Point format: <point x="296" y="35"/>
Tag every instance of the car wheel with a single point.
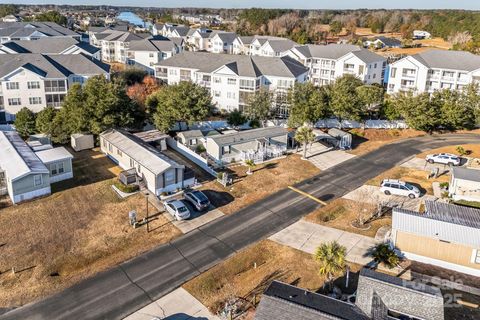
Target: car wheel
<point x="387" y="192"/>
<point x="411" y="196"/>
<point x="431" y="161"/>
<point x="450" y="164"/>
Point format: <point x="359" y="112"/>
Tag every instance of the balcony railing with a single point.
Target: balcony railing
<point x="55" y="89"/>
<point x="408" y="75"/>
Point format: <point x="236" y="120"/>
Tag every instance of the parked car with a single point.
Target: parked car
<point x="444" y="158"/>
<point x="198" y="199"/>
<point x="177" y="209"/>
<point x="400" y="188"/>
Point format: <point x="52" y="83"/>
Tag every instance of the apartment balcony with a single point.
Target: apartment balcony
<point x="409" y="75"/>
<point x="203" y="83"/>
<point x="54" y="104"/>
<point x="55" y="89"/>
<point x="433" y="77"/>
<point x="449" y="79"/>
<point x="349" y="71"/>
<point x="407" y="87"/>
<point x="184" y="78"/>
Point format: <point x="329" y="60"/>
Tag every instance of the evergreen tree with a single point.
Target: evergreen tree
<point x="344" y="101"/>
<point x="25" y="122"/>
<point x="307" y="104"/>
<point x="44" y="120"/>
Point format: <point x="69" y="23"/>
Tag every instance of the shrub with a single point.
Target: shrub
<point x="125" y="188"/>
<point x="383" y="253"/>
<point x="444" y="185"/>
<point x="461" y="151"/>
<point x="220" y="175"/>
<point x="200" y="148"/>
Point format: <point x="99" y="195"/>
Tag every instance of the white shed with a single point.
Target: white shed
<point x="344" y="138"/>
<point x="80" y="141"/>
<point x="465" y="184"/>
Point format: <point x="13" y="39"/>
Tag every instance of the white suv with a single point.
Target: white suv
<point x="443" y="158"/>
<point x="400" y="188"/>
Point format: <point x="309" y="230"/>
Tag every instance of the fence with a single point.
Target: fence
<point x="191" y="155"/>
<point x="347" y="124"/>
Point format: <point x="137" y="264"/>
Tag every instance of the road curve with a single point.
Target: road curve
<point x="127" y="287"/>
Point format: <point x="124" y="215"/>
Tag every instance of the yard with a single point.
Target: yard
<point x="267" y="178"/>
<point x="340" y="213"/>
<point x="366" y="140"/>
<point x="472" y="149"/>
<point x="81" y="229"/>
<point x="238" y="277"/>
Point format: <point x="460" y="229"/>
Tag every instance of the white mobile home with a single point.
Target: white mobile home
<point x="159" y="173"/>
<point x="465" y="184"/>
<point x="26" y="176"/>
<point x="59" y="163"/>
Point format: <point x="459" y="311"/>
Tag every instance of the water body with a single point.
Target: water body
<point x="133" y="19"/>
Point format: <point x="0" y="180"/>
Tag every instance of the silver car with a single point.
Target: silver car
<point x="198" y="199"/>
<point x="444" y="158"/>
<point x="400" y="188"/>
<point x="177" y="209"/>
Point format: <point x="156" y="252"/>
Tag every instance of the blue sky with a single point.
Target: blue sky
<point x="304" y="4"/>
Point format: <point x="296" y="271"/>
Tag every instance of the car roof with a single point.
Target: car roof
<point x="177" y="203"/>
<point x="393" y="181"/>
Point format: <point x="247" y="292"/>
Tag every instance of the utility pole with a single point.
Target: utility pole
<point x="146" y="197"/>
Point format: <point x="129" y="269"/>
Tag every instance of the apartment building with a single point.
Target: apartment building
<point x="445" y="235"/>
<point x="434" y="70"/>
<point x="233" y="78"/>
<point x="10" y="31"/>
<point x="328" y="62"/>
<point x="114" y="44"/>
<point x="64" y="45"/>
<point x="148" y="52"/>
<point x="262" y="46"/>
<point x="199" y="40"/>
<point x="221" y="42"/>
<point x="36" y="80"/>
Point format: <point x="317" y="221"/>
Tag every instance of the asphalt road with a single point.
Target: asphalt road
<point x="120" y="291"/>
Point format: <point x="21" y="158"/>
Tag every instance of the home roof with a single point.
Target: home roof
<point x="455" y="214"/>
<point x="17" y="158"/>
<point x="248" y="135"/>
<point x="282" y="45"/>
<point x="367" y="56"/>
<point x="52" y="155"/>
<point x="449" y="59"/>
<point x="282" y="301"/>
<point x="51" y="29"/>
<point x="389" y="42"/>
<point x="191" y="134"/>
<point x="143" y="153"/>
<point x="52" y="66"/>
<point x="48" y="45"/>
<point x="248" y="66"/>
<point x="157" y="44"/>
<point x="224" y="36"/>
<point x="466" y="174"/>
<point x="330" y="51"/>
<point x="181" y="30"/>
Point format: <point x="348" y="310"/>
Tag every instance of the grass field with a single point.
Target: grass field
<point x="366" y="140"/>
<point x="81" y="229"/>
<point x="266" y="179"/>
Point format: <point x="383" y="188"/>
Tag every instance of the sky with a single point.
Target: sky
<point x="303" y="4"/>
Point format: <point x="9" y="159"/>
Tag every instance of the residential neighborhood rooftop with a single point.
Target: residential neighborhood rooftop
<point x="449" y="59"/>
<point x="248" y="135"/>
<point x="466" y="174"/>
<point x="19" y="29"/>
<point x="47" y="45"/>
<point x="55" y="154"/>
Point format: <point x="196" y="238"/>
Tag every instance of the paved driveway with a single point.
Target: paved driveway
<point x="307" y="236"/>
<point x="177" y="305"/>
<point x="324" y="157"/>
<point x="131" y="285"/>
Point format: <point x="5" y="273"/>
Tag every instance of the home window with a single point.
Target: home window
<point x="217" y="80"/>
<point x="14" y="102"/>
<point x="33" y="85"/>
<point x="35" y="100"/>
<point x="110" y="147"/>
<point x="53" y="170"/>
<point x="119" y="152"/>
<point x="393" y="72"/>
<point x="231" y="81"/>
<point x="12" y="86"/>
<point x="151" y="54"/>
<point x="60" y="167"/>
<point x="226" y="149"/>
<point x="37" y="180"/>
<point x="132" y="163"/>
<point x="169" y="177"/>
<point x="477" y="256"/>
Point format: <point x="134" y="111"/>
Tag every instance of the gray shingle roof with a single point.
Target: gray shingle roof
<point x="466" y="174"/>
<point x="443" y="59"/>
<point x="368" y="56"/>
<point x="331" y="51"/>
<point x="227" y="37"/>
<point x="122" y="36"/>
<point x="248" y="135"/>
<point x="282" y="301"/>
<point x="249" y="66"/>
<point x="52" y="66"/>
<point x="282" y="45"/>
<point x="16" y="29"/>
<point x="390" y="42"/>
<point x="48" y="45"/>
<point x="152" y="44"/>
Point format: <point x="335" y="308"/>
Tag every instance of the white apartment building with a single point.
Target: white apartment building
<point x="199" y="40"/>
<point x="65" y="45"/>
<point x="115" y="43"/>
<point x="231" y="79"/>
<point x="434" y="70"/>
<point x="265" y="46"/>
<point x="221" y="42"/>
<point x="148" y="52"/>
<point x="36" y="81"/>
<point x="10" y="31"/>
<point x="328" y="62"/>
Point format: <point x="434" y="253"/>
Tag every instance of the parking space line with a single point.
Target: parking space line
<point x="307" y="195"/>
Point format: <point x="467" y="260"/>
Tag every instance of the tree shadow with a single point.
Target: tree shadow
<point x="182" y="316"/>
<point x="218" y="198"/>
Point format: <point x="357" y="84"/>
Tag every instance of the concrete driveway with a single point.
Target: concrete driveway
<point x="197" y="219"/>
<point x="421" y="164"/>
<point x="177" y="305"/>
<point x="307" y="236"/>
<point x="323" y="157"/>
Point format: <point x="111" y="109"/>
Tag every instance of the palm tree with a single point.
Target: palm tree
<point x="383" y="253"/>
<point x="331" y="257"/>
<point x="305" y="136"/>
<point x="250" y="164"/>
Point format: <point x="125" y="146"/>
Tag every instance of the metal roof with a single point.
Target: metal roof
<point x="55" y="154"/>
<point x="248" y="135"/>
<point x="146" y="155"/>
<point x="17" y="158"/>
<point x="442" y="221"/>
<point x="466" y="174"/>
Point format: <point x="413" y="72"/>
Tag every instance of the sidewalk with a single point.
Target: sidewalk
<point x="177" y="305"/>
<point x="307" y="236"/>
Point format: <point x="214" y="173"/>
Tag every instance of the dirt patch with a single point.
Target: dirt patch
<point x="56" y="241"/>
<point x="366" y="140"/>
<point x="238" y="277"/>
<point x="266" y="179"/>
<point x="340" y="213"/>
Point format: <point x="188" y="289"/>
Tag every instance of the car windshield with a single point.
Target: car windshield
<point x="200" y="196"/>
<point x="409" y="186"/>
<point x="182" y="209"/>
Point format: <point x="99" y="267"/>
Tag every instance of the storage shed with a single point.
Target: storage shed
<point x="344" y="138"/>
<point x="80" y="141"/>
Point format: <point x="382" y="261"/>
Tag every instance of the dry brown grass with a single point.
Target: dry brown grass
<point x="413" y="176"/>
<point x="267" y="178"/>
<point x="366" y="140"/>
<point x="76" y="232"/>
<point x="437" y="42"/>
<point x="237" y="277"/>
<point x="340" y="213"/>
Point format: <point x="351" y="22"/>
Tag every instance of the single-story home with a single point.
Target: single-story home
<point x="445" y="235"/>
<point x="421" y="34"/>
<point x="26" y="176"/>
<point x="256" y="144"/>
<point x="158" y="172"/>
<point x="383" y="42"/>
<point x="190" y="138"/>
<point x="59" y="163"/>
<point x="464" y="184"/>
<point x="378" y="296"/>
